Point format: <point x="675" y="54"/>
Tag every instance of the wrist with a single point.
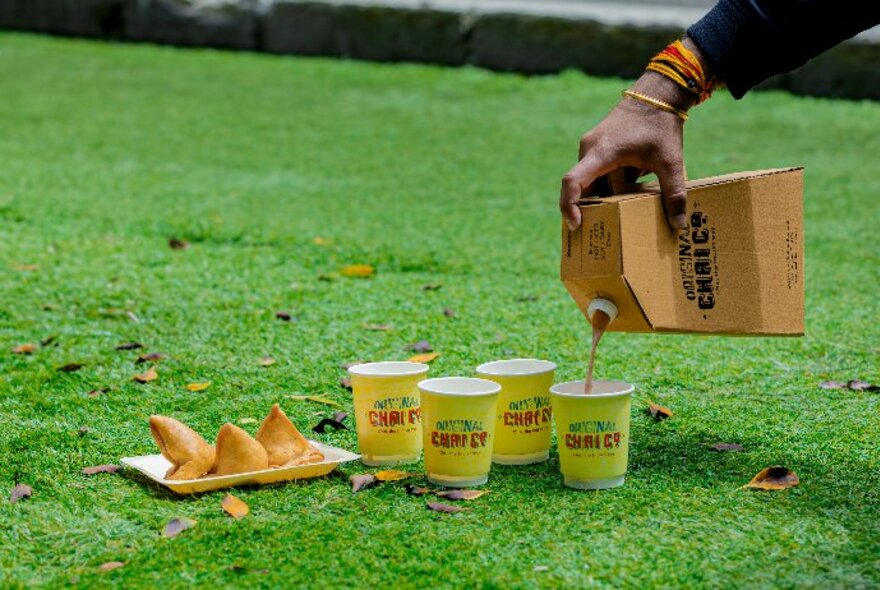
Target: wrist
<point x="659" y="86"/>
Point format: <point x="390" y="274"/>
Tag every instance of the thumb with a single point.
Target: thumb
<point x="673" y="192"/>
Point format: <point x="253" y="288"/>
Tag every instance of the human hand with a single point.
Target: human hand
<point x="633" y="135"/>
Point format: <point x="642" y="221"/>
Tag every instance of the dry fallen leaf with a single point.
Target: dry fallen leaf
<point x="774" y="478"/>
<point x="267" y="361"/>
<point x="859" y="385"/>
<point x="659" y="412"/>
<point x="48" y="340"/>
<point x="284" y="316"/>
<point x="199" y="386"/>
<point x="176" y="526"/>
<point x="234" y="507"/>
<point x="357" y="270"/>
<point x="361" y="481"/>
<point x="432" y="287"/>
<point x="177" y="244"/>
<point x="100" y="469"/>
<point x="832" y="385"/>
<point x="149" y="358"/>
<point x="98" y="392"/>
<point x="147" y="376"/>
<point x="392" y="475"/>
<point x="111" y="565"/>
<point x="24" y="348"/>
<point x="424" y="358"/>
<point x="70" y="367"/>
<point x="414" y="490"/>
<point x="420" y="346"/>
<point x="449" y="313"/>
<point x="129" y="346"/>
<point x="345" y="383"/>
<point x="440" y="507"/>
<point x="726" y="447"/>
<point x="20" y="492"/>
<point x="319" y="399"/>
<point x="334" y="423"/>
<point x="377" y="327"/>
<point x="462" y="494"/>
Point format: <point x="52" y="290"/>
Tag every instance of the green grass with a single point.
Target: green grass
<point x="434" y="176"/>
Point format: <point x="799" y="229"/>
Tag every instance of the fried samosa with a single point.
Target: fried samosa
<point x="238" y="452"/>
<point x="190" y="456"/>
<point x="283" y="442"/>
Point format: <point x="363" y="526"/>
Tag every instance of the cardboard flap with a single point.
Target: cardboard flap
<point x="647" y="189"/>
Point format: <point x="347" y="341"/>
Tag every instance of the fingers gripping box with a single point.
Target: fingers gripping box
<point x="738" y="268"/>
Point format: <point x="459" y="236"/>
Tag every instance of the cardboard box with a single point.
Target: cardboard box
<point x="738" y="268"/>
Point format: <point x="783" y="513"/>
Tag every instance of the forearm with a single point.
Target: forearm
<point x="747" y="41"/>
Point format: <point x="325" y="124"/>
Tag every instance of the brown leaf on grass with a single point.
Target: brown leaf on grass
<point x="345" y="383"/>
<point x="358" y="271"/>
<point x="201" y="386"/>
<point x="234" y="507"/>
<point x="420" y="346"/>
<point x="859" y="385"/>
<point x="19" y="492"/>
<point x="83" y="430"/>
<point x="726" y="447"/>
<point x="321" y="427"/>
<point x="283" y="316"/>
<point x="48" y="307"/>
<point x="24" y="349"/>
<point x="377" y="327"/>
<point x="340" y="417"/>
<point x="98" y="392"/>
<point x="462" y="494"/>
<point x="526" y="298"/>
<point x="26" y="267"/>
<point x="100" y="469"/>
<point x="832" y="385"/>
<point x="110" y="566"/>
<point x="424" y="358"/>
<point x="774" y="478"/>
<point x="432" y="287"/>
<point x="267" y="361"/>
<point x="414" y="490"/>
<point x="147" y="376"/>
<point x="441" y="507"/>
<point x="149" y="358"/>
<point x="177" y="243"/>
<point x="70" y="367"/>
<point x="659" y="412"/>
<point x="129" y="346"/>
<point x="176" y="526"/>
<point x="361" y="481"/>
<point x="449" y="313"/>
<point x="392" y="475"/>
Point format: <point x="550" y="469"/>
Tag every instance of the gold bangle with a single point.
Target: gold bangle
<point x="656" y="103"/>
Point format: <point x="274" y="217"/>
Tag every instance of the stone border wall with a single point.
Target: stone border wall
<point x="523" y="43"/>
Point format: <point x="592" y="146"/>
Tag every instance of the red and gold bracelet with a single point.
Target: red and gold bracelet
<point x="679" y="64"/>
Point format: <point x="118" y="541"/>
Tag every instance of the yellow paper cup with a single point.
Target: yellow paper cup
<point x="387" y="411"/>
<point x="522" y="420"/>
<point x="592" y="433"/>
<point x="459" y="415"/>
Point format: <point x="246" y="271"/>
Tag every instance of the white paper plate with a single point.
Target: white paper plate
<point x="156" y="466"/>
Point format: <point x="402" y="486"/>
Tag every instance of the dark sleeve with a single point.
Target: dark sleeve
<point x="747" y="41"/>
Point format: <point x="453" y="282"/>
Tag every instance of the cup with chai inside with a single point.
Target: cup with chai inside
<point x="522" y="420"/>
<point x="387" y="410"/>
<point x="592" y="433"/>
<point x="459" y="429"/>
